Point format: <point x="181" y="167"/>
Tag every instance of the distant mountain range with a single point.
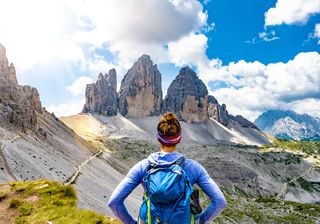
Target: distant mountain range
<point x="286" y="124"/>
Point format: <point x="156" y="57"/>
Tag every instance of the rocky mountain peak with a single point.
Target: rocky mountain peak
<point x="7" y="72"/>
<point x="287" y="124"/>
<point x="19" y="104"/>
<point x="187" y="71"/>
<point x="140" y="91"/>
<point x="101" y="97"/>
<point x="144" y="59"/>
<point x="187" y="97"/>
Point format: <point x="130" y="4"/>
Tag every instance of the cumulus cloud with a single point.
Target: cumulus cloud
<point x="78" y="87"/>
<point x="291" y="12"/>
<point x="143" y="26"/>
<point x="38" y="34"/>
<point x="189" y="50"/>
<point x="309" y="106"/>
<point x="141" y="20"/>
<point x="66" y="109"/>
<point x="317" y="32"/>
<point x="252" y="87"/>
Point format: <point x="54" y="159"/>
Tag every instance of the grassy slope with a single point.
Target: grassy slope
<point x="242" y="209"/>
<point x="42" y="201"/>
<point x="307" y="147"/>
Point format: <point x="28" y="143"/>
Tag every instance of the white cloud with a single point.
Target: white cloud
<point x="268" y="36"/>
<point x="252" y="87"/>
<point x="291" y="12"/>
<point x="189" y="50"/>
<point x="66" y="109"/>
<point x="36" y="32"/>
<point x="309" y="106"/>
<point x="141" y="20"/>
<point x="78" y="87"/>
<point x="143" y="26"/>
<point x="317" y="32"/>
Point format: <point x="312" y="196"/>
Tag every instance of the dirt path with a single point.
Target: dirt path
<point x="285" y="186"/>
<point x="74" y="177"/>
<point x="7" y="215"/>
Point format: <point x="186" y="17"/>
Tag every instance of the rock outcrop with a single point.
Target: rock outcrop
<point x="140" y="95"/>
<point x="187" y="97"/>
<point x="101" y="97"/>
<point x="19" y="105"/>
<point x="140" y="92"/>
<point x="7" y="72"/>
<point x="217" y="112"/>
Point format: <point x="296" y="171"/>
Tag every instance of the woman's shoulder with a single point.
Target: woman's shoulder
<point x="192" y="162"/>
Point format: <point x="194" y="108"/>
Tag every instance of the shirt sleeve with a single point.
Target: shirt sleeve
<point x="126" y="186"/>
<point x="211" y="189"/>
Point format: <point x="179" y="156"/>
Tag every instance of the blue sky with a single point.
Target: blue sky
<point x="252" y="55"/>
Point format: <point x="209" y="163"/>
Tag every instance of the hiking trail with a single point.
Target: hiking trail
<point x="76" y="174"/>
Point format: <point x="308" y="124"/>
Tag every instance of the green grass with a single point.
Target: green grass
<point x="308" y="147"/>
<point x="266" y="210"/>
<point x="43" y="200"/>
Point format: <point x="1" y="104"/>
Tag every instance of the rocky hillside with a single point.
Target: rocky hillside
<point x="289" y="125"/>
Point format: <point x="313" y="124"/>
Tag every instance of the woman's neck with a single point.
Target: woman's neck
<point x="168" y="149"/>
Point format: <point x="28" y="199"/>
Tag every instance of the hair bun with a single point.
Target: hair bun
<point x="170" y="118"/>
<point x="169" y="124"/>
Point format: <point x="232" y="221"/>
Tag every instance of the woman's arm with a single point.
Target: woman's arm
<point x="211" y="189"/>
<point x="126" y="186"/>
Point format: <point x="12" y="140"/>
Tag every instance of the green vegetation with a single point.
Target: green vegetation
<point x="42" y="201"/>
<point x="306" y="185"/>
<point x="267" y="210"/>
<point x="308" y="147"/>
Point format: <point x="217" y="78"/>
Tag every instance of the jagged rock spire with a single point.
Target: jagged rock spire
<point x="101" y="97"/>
<point x="187" y="97"/>
<point x="140" y="92"/>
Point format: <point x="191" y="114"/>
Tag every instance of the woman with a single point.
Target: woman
<point x="169" y="135"/>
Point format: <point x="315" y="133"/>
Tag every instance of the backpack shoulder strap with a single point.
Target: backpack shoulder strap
<point x="181" y="161"/>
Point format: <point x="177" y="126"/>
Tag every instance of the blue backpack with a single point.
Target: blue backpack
<point x="167" y="196"/>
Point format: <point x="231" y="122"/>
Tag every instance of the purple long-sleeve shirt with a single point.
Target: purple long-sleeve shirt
<point x="195" y="172"/>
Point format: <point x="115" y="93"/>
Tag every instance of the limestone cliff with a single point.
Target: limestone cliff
<point x="19" y="105"/>
<point x="140" y="92"/>
<point x="101" y="97"/>
<point x="187" y="97"/>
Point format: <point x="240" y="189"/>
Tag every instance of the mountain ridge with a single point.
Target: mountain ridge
<point x="286" y="124"/>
